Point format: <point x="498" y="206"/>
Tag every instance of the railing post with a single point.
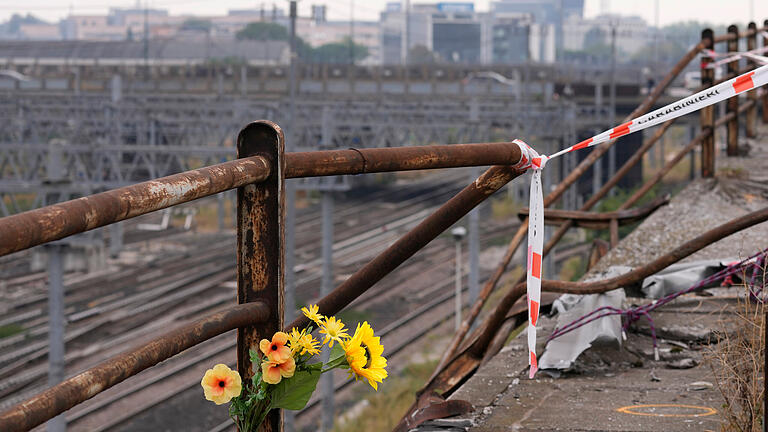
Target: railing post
<point x="765" y="94"/>
<point x="707" y="116"/>
<point x="732" y="104"/>
<point x="751" y="117"/>
<point x="260" y="245"/>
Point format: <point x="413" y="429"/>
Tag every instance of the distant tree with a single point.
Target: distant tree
<point x="669" y="51"/>
<point x="595" y="37"/>
<point x="267" y="31"/>
<point x="263" y="31"/>
<point x="596" y="47"/>
<point x="14" y="24"/>
<point x="419" y="54"/>
<point x="338" y="52"/>
<point x="198" y="25"/>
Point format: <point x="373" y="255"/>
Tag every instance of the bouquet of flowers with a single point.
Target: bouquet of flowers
<point x="289" y="372"/>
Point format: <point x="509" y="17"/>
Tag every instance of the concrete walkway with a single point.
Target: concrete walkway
<point x="612" y="388"/>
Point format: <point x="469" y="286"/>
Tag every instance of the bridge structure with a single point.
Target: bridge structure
<point x="259" y="174"/>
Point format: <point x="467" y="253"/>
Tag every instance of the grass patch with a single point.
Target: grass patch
<point x="353" y="316"/>
<point x="573" y="269"/>
<point x="385" y="407"/>
<point x="504" y="207"/>
<point x="10" y="330"/>
<point x="612" y="203"/>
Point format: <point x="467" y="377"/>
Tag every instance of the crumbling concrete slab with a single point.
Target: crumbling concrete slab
<point x="625" y="389"/>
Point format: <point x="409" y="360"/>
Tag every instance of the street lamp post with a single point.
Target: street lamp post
<point x="458" y="235"/>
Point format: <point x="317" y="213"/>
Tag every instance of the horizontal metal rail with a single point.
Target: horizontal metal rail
<point x="597" y="220"/>
<point x="81" y="387"/>
<point x="35" y="227"/>
<point x="361" y="161"/>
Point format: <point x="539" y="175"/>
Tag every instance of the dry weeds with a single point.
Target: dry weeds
<point x="737" y="362"/>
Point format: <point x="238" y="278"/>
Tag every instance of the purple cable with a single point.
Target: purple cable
<point x="633" y="314"/>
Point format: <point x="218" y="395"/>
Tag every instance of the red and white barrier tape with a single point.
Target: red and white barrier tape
<point x="531" y="159"/>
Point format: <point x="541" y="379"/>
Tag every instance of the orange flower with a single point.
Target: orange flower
<point x="276" y="350"/>
<point x="221" y="384"/>
<point x="272" y="372"/>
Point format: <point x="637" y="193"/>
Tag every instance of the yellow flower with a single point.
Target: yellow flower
<point x="333" y="330"/>
<point x="272" y="372"/>
<point x="364" y="357"/>
<point x="221" y="384"/>
<point x="302" y="342"/>
<point x="312" y="313"/>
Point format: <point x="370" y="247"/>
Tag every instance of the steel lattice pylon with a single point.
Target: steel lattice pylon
<point x="55" y="147"/>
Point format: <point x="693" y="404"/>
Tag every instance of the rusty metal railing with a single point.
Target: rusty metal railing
<point x="259" y="174"/>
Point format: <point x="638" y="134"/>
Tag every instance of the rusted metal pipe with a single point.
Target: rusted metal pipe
<point x="361" y="161"/>
<point x="260" y="246"/>
<point x="448" y="214"/>
<point x="35" y="227"/>
<point x="750" y="119"/>
<point x="707" y="113"/>
<point x="765" y="97"/>
<point x="54" y="222"/>
<point x="732" y="104"/>
<point x="57" y="399"/>
<point x="595" y="220"/>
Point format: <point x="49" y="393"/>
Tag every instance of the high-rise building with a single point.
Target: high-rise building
<point x="548" y="17"/>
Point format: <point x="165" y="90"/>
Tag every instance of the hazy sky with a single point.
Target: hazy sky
<point x="716" y="11"/>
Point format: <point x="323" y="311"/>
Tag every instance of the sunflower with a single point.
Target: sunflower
<point x="221" y="384"/>
<point x="333" y="329"/>
<point x="312" y="313"/>
<point x="364" y="357"/>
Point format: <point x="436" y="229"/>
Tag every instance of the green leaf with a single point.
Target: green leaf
<point x="254" y="355"/>
<point x="337" y="358"/>
<point x="294" y="393"/>
<point x="256" y="379"/>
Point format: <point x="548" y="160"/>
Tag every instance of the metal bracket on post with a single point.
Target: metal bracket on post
<point x="707" y="115"/>
<point x="260" y="245"/>
<point x="732" y="104"/>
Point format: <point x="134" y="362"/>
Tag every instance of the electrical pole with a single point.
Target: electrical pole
<point x="407" y="31"/>
<point x="612" y="96"/>
<point x="612" y="150"/>
<point x="146" y="37"/>
<point x="290" y="195"/>
<point x="57" y="321"/>
<point x="655" y="40"/>
<point x="351" y="32"/>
